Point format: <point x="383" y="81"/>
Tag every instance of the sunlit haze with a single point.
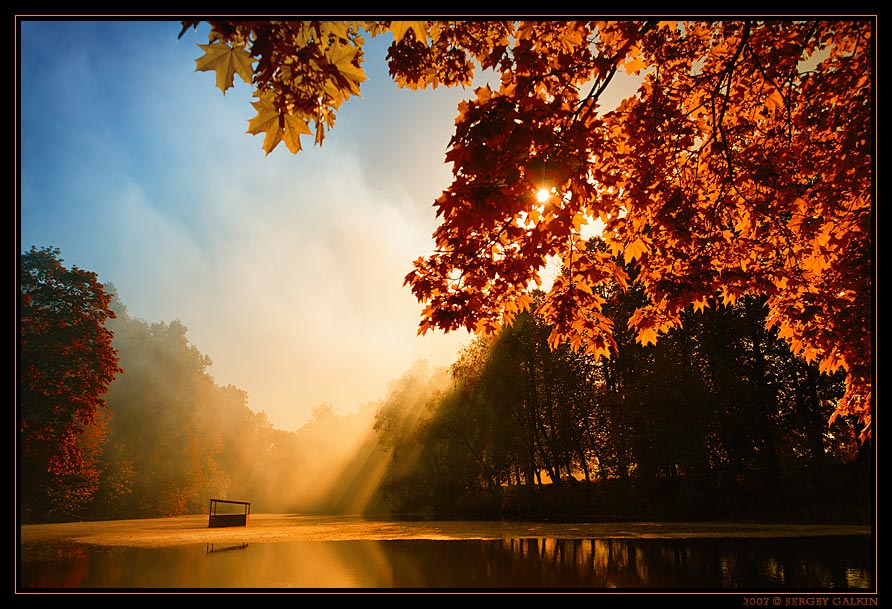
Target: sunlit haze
<point x="671" y="388"/>
<point x="287" y="270"/>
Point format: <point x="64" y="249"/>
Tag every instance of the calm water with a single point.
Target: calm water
<point x="839" y="563"/>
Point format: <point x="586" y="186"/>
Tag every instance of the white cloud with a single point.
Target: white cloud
<point x="304" y="302"/>
<point x="287" y="269"/>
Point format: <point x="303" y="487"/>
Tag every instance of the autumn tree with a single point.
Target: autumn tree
<point x="744" y="164"/>
<point x="66" y="364"/>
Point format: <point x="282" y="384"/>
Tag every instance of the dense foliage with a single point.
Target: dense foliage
<point x="743" y="165"/>
<point x="66" y="364"/>
<point x="516" y="428"/>
<point x="718" y="420"/>
<point x="724" y="315"/>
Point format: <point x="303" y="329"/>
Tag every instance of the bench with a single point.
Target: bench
<point x="228" y="519"/>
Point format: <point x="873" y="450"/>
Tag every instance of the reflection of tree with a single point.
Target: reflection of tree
<point x="606" y="564"/>
<point x="529" y="562"/>
<point x="67" y="569"/>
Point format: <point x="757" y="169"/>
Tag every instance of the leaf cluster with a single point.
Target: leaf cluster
<point x="742" y="164"/>
<point x="301" y="72"/>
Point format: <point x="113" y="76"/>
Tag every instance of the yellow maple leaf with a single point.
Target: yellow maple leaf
<point x="341" y="56"/>
<point x="267" y="121"/>
<point x="633" y="62"/>
<point x="830" y="363"/>
<point x="486" y="327"/>
<point x="423" y="327"/>
<point x="338" y="29"/>
<point x="823" y="237"/>
<point x="294" y="128"/>
<point x="598" y="348"/>
<point x="785" y="331"/>
<point x="635" y="249"/>
<point x="616" y="247"/>
<point x="647" y="335"/>
<point x="774" y="100"/>
<point x="400" y="28"/>
<point x="815" y="264"/>
<point x="523" y="302"/>
<point x="582" y="285"/>
<point x="728" y="296"/>
<point x="483" y="93"/>
<point x="335" y="95"/>
<point x="226" y="61"/>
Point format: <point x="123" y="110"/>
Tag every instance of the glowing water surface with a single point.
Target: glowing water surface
<point x="294" y="552"/>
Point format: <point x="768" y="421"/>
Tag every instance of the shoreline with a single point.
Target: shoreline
<point x="275" y="528"/>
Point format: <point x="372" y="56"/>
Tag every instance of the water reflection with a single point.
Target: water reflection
<point x="824" y="563"/>
<point x="216" y="547"/>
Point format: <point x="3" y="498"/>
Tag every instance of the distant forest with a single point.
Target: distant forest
<point x="717" y="421"/>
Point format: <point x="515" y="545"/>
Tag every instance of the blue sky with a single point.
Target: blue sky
<point x="287" y="269"/>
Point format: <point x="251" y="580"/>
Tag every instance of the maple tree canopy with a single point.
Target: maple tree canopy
<point x="744" y="164"/>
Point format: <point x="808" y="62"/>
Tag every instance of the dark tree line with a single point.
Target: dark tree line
<point x="719" y="411"/>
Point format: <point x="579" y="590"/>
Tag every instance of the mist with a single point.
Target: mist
<point x="176" y="438"/>
<point x="507" y="416"/>
<point x="142" y="172"/>
<point x="331" y="465"/>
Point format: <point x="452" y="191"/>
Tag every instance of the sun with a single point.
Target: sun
<point x="542" y="195"/>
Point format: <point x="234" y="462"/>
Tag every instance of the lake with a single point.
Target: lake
<point x="337" y="553"/>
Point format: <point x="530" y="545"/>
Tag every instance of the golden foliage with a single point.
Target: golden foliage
<point x="226" y="61"/>
<point x="743" y="164"/>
